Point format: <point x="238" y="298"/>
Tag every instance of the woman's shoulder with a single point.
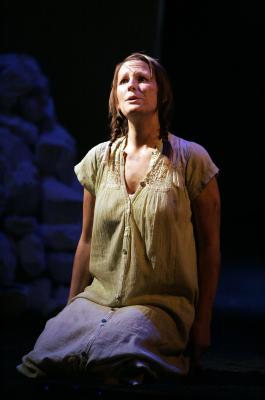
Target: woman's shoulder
<point x="99" y="148"/>
<point x="97" y="151"/>
<point x="186" y="148"/>
<point x="93" y="157"/>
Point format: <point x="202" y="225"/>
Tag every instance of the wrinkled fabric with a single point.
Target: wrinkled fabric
<point x="141" y="304"/>
<point x="90" y="338"/>
<point x="143" y="247"/>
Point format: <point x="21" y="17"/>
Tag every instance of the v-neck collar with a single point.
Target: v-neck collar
<point x="156" y="153"/>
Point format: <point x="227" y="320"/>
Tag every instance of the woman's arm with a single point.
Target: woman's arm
<point x="206" y="211"/>
<point x="81" y="276"/>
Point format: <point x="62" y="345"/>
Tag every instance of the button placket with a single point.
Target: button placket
<point x="127" y="232"/>
<point x="125" y="250"/>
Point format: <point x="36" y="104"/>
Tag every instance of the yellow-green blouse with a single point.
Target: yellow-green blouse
<point x="143" y="247"/>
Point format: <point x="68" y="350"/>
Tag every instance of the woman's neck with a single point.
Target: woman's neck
<point x="143" y="135"/>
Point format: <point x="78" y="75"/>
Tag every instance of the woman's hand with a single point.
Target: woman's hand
<point x="200" y="341"/>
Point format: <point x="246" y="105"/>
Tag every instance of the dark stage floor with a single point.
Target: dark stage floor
<point x="234" y="367"/>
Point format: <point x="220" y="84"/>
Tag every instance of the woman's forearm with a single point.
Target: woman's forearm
<point x="208" y="277"/>
<point x="81" y="276"/>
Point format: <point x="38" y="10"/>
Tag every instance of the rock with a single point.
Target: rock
<point x="3" y="168"/>
<point x="13" y="151"/>
<point x="20" y="226"/>
<point x="20" y="77"/>
<point x="31" y="255"/>
<point x="27" y="131"/>
<point x="40" y="198"/>
<point x="60" y="294"/>
<point x="57" y="302"/>
<point x="56" y="153"/>
<point x="61" y="204"/>
<point x="24" y="190"/>
<point x="62" y="237"/>
<point x="60" y="267"/>
<point x="8" y="260"/>
<point x="39" y="295"/>
<point x="3" y="199"/>
<point x="13" y="300"/>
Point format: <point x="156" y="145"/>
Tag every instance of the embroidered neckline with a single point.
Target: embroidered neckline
<point x="157" y="175"/>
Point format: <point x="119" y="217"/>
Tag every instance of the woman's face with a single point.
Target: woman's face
<point x="136" y="89"/>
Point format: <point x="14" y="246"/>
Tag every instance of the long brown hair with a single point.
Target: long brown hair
<point x="119" y="124"/>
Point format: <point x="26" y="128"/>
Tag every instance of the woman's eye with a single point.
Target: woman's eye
<point x="142" y="79"/>
<point x="124" y="80"/>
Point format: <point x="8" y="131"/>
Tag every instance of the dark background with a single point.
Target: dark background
<point x="214" y="53"/>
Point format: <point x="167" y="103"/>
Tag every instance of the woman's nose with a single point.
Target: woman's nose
<point x="131" y="84"/>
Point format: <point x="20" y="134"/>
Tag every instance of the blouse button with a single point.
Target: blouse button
<point x="124" y="251"/>
<point x="142" y="184"/>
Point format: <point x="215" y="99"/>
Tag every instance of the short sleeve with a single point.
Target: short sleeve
<point x="87" y="169"/>
<point x="200" y="169"/>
